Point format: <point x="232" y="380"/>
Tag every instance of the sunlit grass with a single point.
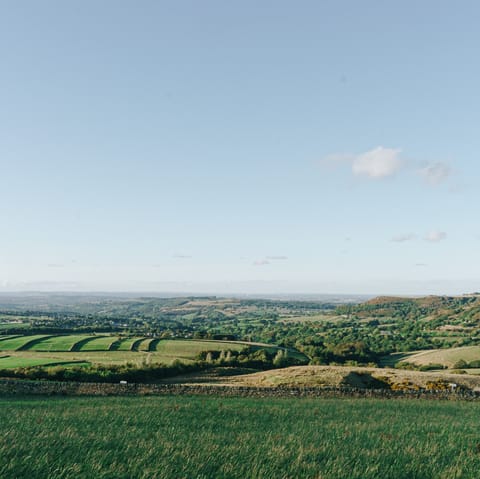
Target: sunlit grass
<point x="202" y="437"/>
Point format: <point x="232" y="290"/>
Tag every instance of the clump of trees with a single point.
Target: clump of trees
<point x="462" y="364"/>
<point x="250" y="358"/>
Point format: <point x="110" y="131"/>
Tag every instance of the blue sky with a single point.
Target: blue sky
<point x="316" y="147"/>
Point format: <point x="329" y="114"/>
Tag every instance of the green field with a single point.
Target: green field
<point x="188" y="349"/>
<point x="8" y="362"/>
<point x="57" y="343"/>
<point x="18" y="342"/>
<point x="8" y="336"/>
<point x="43" y="349"/>
<point x="144" y="344"/>
<point x="101" y="343"/>
<point x="126" y="344"/>
<point x="206" y="438"/>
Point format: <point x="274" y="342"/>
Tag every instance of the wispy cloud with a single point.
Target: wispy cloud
<point x="404" y="237"/>
<point x="261" y="262"/>
<point x="277" y="257"/>
<point x="421" y="265"/>
<point x="435" y="236"/>
<point x="56" y="265"/>
<point x="435" y="173"/>
<point x="182" y="256"/>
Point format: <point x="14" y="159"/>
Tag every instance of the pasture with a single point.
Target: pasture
<point x="100" y="343"/>
<point x="57" y="343"/>
<point x="8" y="362"/>
<point x="126" y="344"/>
<point x="205" y="437"/>
<point x="446" y="357"/>
<point x="108" y="350"/>
<point x="187" y="349"/>
<point x="21" y="342"/>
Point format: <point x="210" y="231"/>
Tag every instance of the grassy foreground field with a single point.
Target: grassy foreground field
<point x="205" y="438"/>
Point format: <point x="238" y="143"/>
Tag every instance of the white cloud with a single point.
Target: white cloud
<point x="381" y="162"/>
<point x="277" y="257"/>
<point x="182" y="256"/>
<point x="435" y="236"/>
<point x="377" y="163"/>
<point x="403" y="238"/>
<point x="435" y="173"/>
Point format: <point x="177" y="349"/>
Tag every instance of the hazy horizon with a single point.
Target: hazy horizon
<point x="249" y="288"/>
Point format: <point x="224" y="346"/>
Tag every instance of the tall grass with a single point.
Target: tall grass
<point x="202" y="437"/>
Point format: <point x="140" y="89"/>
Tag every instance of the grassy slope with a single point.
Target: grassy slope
<point x="144" y="344"/>
<point x="101" y="343"/>
<point x="127" y="343"/>
<point x="3" y="337"/>
<point x="188" y="349"/>
<point x="8" y="362"/>
<point x="320" y="376"/>
<point x="447" y="357"/>
<point x="204" y="438"/>
<point x="18" y="342"/>
<point x="58" y="343"/>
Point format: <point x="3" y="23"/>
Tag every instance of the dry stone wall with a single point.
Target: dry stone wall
<point x="12" y="387"/>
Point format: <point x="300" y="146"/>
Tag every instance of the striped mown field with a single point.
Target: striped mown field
<point x="100" y="343"/>
<point x="57" y="343"/>
<point x="126" y="344"/>
<point x="21" y="342"/>
<point x="108" y="349"/>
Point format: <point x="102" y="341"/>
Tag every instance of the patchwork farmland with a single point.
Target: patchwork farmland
<point x="75" y="349"/>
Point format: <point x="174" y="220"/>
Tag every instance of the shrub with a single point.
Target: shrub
<point x="460" y="364"/>
<point x="431" y="366"/>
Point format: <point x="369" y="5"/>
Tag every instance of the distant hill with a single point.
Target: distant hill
<point x="454" y="308"/>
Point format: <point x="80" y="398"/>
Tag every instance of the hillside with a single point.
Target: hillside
<point x="455" y="307"/>
<point x="336" y="376"/>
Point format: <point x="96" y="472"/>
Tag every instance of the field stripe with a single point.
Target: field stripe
<point x="153" y="345"/>
<point x="26" y="346"/>
<point x="79" y="344"/>
<point x="116" y="344"/>
<point x="136" y="344"/>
